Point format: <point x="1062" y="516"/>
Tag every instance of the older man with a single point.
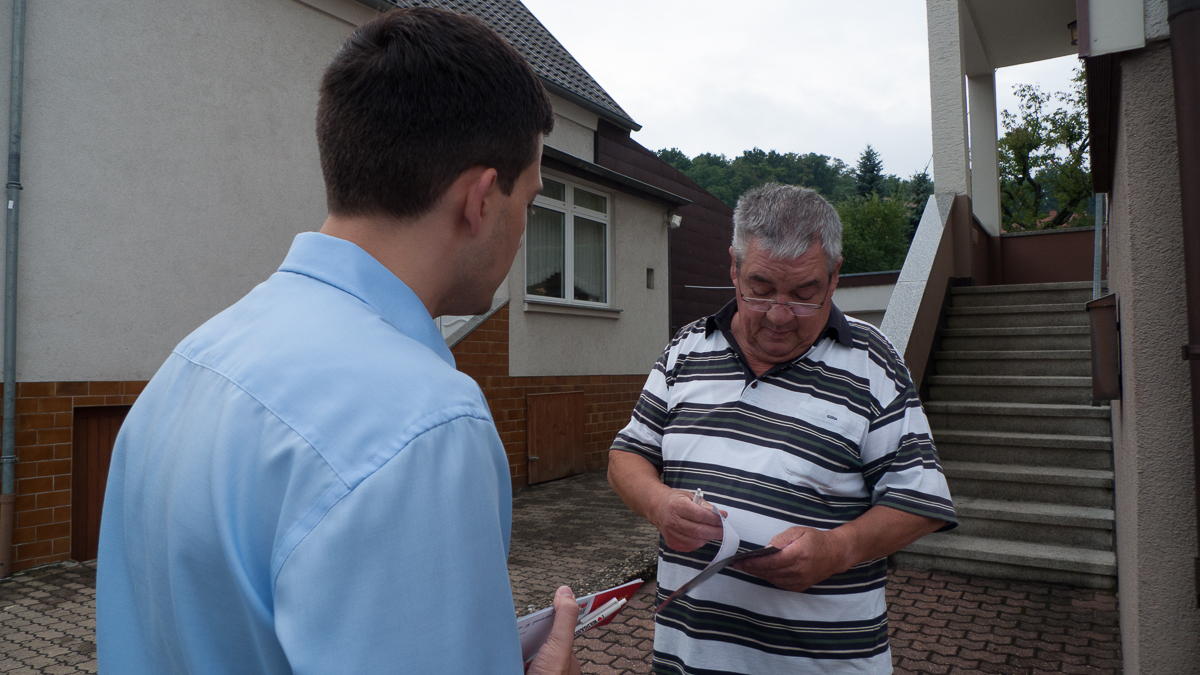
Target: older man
<point x="804" y="427"/>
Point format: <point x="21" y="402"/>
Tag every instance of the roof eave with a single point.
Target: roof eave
<point x="629" y="184"/>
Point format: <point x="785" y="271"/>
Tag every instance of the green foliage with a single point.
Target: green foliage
<point x="1044" y="160"/>
<point x="877" y="224"/>
<point x="727" y="179"/>
<point x="916" y="193"/>
<point x="874" y="234"/>
<point x="868" y="176"/>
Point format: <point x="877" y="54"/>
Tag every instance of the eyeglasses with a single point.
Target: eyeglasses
<point x="796" y="308"/>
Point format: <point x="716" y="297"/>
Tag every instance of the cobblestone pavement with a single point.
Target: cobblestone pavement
<point x="47" y="621"/>
<point x="575" y="531"/>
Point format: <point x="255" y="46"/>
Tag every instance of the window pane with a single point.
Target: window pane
<point x="591" y="201"/>
<point x="591" y="261"/>
<point x="545" y="253"/>
<point x="552" y="189"/>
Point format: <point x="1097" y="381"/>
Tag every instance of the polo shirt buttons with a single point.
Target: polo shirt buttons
<point x="754" y="385"/>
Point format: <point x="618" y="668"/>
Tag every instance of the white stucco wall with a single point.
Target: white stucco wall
<point x="169" y="158"/>
<point x="1155" y="507"/>
<point x="864" y="302"/>
<point x="596" y="342"/>
<point x="574" y="129"/>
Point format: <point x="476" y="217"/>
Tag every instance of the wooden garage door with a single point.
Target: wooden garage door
<point x="95" y="432"/>
<point x="555" y="435"/>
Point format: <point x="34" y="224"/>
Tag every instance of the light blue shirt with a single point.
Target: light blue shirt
<point x="309" y="486"/>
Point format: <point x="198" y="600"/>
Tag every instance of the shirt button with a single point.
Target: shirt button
<point x="754" y="385"/>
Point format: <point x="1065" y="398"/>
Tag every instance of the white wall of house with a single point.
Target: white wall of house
<point x="169" y="158"/>
<point x="1155" y="507"/>
<point x="548" y="339"/>
<point x="864" y="302"/>
<point x="574" y="129"/>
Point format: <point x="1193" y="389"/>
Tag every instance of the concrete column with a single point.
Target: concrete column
<point x="951" y="171"/>
<point x="985" y="160"/>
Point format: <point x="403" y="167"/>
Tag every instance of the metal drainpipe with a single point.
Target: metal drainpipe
<point x="8" y="458"/>
<point x="1184" y="19"/>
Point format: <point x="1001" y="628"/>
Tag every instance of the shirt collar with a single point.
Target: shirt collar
<point x="836" y="326"/>
<point x="345" y="266"/>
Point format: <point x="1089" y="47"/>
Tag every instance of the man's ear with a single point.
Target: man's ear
<point x="475" y="210"/>
<point x="732" y="266"/>
<point x="834" y="280"/>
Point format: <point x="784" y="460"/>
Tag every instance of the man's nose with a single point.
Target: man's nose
<point x="780" y="314"/>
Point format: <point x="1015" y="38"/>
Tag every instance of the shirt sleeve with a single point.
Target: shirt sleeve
<point x="408" y="573"/>
<point x="643" y="435"/>
<point x="900" y="464"/>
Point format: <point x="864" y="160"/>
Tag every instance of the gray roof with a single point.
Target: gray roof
<point x="559" y="71"/>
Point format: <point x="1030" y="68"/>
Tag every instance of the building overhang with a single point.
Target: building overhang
<point x="558" y="160"/>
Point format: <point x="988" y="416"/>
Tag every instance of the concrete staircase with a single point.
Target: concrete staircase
<point x="1028" y="459"/>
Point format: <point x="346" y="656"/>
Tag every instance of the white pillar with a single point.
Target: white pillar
<point x="947" y="90"/>
<point x="985" y="160"/>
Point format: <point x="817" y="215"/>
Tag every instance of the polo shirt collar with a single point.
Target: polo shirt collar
<point x="836" y="326"/>
<point x="345" y="266"/>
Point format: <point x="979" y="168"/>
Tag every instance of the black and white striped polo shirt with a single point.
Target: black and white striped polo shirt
<point x="813" y="442"/>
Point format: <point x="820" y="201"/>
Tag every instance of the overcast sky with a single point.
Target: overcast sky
<point x="787" y="75"/>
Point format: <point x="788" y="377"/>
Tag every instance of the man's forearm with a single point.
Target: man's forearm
<point x="880" y="532"/>
<point x="636" y="482"/>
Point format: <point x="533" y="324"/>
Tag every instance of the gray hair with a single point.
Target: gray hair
<point x="786" y="220"/>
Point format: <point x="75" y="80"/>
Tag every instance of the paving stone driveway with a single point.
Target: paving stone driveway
<point x="576" y="531"/>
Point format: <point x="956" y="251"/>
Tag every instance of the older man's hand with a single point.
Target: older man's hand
<point x="806" y="557"/>
<point x="685" y="525"/>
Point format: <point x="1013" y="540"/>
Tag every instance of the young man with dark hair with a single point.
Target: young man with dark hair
<point x="308" y="485"/>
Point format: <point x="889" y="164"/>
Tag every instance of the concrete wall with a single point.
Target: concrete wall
<point x="1155" y="510"/>
<point x="169" y="158"/>
<point x="864" y="302"/>
<point x="574" y="129"/>
<point x="544" y="341"/>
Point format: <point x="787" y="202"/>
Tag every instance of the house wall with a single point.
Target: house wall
<point x="699" y="246"/>
<point x="552" y="340"/>
<point x="1155" y="507"/>
<point x="574" y="129"/>
<point x="608" y="399"/>
<point x="44" y="437"/>
<point x="168" y="160"/>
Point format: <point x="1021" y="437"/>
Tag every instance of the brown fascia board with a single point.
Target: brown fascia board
<point x="568" y="163"/>
<point x="1103" y="91"/>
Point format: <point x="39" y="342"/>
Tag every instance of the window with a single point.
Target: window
<point x="566" y="244"/>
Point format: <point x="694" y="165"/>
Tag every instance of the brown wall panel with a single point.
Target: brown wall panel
<point x="1047" y="257"/>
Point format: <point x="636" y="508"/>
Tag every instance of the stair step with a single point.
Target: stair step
<point x="1064" y="362"/>
<point x="1012" y="560"/>
<point x="1013" y="316"/>
<point x="1084" y="420"/>
<point x="994" y="447"/>
<point x="1033" y="512"/>
<point x="1021" y="294"/>
<point x="1020" y="482"/>
<point x="1043" y="475"/>
<point x="1022" y="338"/>
<point x="1011" y="388"/>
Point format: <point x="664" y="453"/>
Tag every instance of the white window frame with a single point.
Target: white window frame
<point x="570" y="210"/>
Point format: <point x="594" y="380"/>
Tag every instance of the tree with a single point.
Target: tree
<point x="727" y="179"/>
<point x="1043" y="159"/>
<point x="874" y="234"/>
<point x="917" y="192"/>
<point x="868" y="176"/>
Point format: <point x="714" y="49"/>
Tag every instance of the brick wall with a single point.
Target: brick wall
<point x="45" y="431"/>
<point x="608" y="399"/>
<point x="44" y="436"/>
